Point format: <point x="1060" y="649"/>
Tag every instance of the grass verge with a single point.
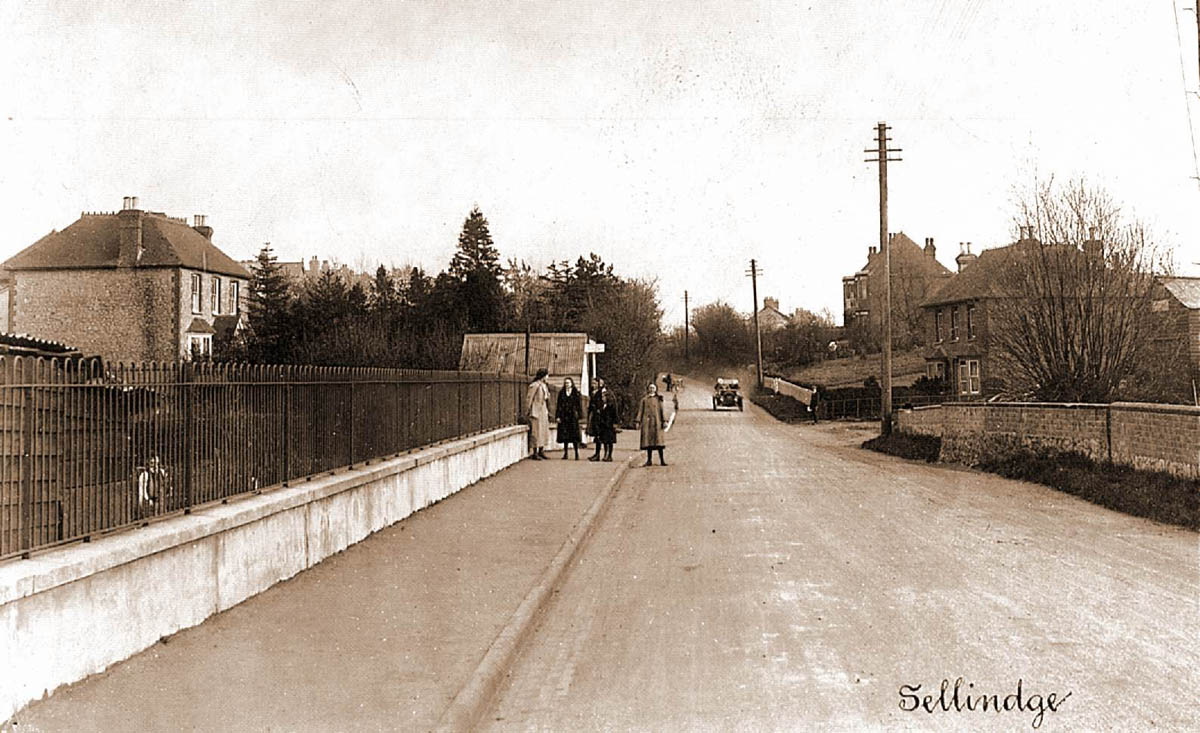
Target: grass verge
<point x="782" y="408"/>
<point x="1155" y="495"/>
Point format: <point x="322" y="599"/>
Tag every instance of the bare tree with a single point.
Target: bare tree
<point x="1073" y="318"/>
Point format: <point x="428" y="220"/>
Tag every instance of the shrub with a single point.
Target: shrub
<point x="907" y="445"/>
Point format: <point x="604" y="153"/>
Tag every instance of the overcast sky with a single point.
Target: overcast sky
<point x="675" y="139"/>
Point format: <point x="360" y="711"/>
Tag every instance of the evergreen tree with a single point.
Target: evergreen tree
<point x="384" y="297"/>
<point x="269" y="311"/>
<point x="476" y="269"/>
<point x="476" y="252"/>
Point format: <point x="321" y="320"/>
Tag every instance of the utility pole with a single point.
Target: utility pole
<point x="881" y="151"/>
<point x="687" y="336"/>
<point x="754" y="272"/>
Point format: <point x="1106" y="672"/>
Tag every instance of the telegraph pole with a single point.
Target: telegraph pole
<point x="687" y="337"/>
<point x="881" y="151"/>
<point x="754" y="272"/>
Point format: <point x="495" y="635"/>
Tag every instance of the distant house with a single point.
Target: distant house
<point x="770" y="317"/>
<point x="1178" y="301"/>
<point x="915" y="274"/>
<point x="131" y="285"/>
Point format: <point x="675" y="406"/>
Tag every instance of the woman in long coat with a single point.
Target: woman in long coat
<point x="537" y="407"/>
<point x="603" y="423"/>
<point x="650" y="417"/>
<point x="568" y="412"/>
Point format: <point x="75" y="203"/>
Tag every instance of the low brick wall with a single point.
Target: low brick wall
<point x="1157" y="437"/>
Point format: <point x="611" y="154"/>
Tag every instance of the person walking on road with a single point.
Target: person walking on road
<point x="568" y="412"/>
<point x="652" y="422"/>
<point x="591" y="416"/>
<point x="537" y="407"/>
<point x="603" y="421"/>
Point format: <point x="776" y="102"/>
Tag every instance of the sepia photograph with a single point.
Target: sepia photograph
<point x="565" y="365"/>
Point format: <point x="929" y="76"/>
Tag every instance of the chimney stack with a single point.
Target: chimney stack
<point x="965" y="257"/>
<point x="929" y="248"/>
<point x="129" y="253"/>
<point x="198" y="223"/>
<point x="771" y="303"/>
<point x="1093" y="247"/>
<point x="872" y="250"/>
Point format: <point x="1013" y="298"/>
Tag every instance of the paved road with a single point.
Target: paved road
<point x="775" y="577"/>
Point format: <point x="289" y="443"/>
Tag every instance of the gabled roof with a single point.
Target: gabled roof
<point x="978" y="280"/>
<point x="225" y="326"/>
<point x="1185" y="289"/>
<point x="94" y="241"/>
<point x="905" y="253"/>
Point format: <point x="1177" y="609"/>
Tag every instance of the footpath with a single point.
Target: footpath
<point x="405" y="630"/>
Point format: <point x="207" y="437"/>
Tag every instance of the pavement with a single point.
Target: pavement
<point x="772" y="577"/>
<point x="382" y="636"/>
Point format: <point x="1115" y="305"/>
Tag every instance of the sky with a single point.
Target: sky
<point x="677" y="140"/>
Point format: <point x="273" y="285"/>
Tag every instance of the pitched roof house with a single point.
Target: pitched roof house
<point x="915" y="273"/>
<point x="131" y="285"/>
<point x="770" y="317"/>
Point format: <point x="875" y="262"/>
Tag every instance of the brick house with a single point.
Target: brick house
<point x="132" y="285"/>
<point x="915" y="273"/>
<point x="956" y="323"/>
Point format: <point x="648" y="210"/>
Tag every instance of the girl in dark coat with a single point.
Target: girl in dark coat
<point x="568" y="413"/>
<point x="653" y="424"/>
<point x="603" y="422"/>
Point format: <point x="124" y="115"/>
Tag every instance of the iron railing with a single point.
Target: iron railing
<point x="86" y="448"/>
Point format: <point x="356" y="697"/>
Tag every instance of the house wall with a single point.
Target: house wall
<point x="122" y="314"/>
<point x="1156" y="437"/>
<point x="72" y="612"/>
<point x="184" y="302"/>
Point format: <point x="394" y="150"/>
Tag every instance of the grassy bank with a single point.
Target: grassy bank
<point x="1155" y="495"/>
<point x="781" y="408"/>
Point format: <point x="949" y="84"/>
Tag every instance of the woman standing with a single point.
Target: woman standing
<point x="537" y="407"/>
<point x="650" y="417"/>
<point x="604" y="423"/>
<point x="567" y="412"/>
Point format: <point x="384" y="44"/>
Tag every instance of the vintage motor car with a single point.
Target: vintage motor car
<point x="725" y="394"/>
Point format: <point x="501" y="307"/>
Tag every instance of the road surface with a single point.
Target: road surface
<point x="776" y="577"/>
<point x="772" y="577"/>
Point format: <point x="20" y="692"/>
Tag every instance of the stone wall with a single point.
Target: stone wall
<point x="1157" y="437"/>
<point x="123" y="314"/>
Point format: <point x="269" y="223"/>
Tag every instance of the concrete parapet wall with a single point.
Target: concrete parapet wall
<point x="1156" y="437"/>
<point x="72" y="612"/>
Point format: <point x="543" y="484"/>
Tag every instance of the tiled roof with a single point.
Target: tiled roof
<point x="905" y="253"/>
<point x="979" y="279"/>
<point x="199" y="325"/>
<point x="225" y="326"/>
<point x="94" y="241"/>
<point x="1185" y="289"/>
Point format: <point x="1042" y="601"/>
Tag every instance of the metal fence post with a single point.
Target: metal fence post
<point x="352" y="423"/>
<point x="285" y="416"/>
<point x="27" y="430"/>
<point x="185" y="374"/>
